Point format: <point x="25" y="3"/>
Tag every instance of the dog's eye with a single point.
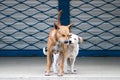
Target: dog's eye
<point x="74" y="38"/>
<point x="63" y="35"/>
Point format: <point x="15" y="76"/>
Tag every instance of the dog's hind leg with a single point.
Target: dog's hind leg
<point x="55" y="62"/>
<point x="62" y="56"/>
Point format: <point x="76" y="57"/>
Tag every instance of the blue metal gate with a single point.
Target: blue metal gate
<point x="25" y="24"/>
<point x="98" y="22"/>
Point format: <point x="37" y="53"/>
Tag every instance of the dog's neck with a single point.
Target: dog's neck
<point x="72" y="46"/>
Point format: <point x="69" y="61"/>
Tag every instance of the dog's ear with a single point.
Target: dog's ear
<point x="70" y="25"/>
<point x="56" y="26"/>
<point x="80" y="39"/>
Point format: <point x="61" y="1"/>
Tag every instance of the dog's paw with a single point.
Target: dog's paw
<point x="59" y="74"/>
<point x="47" y="74"/>
<point x="74" y="72"/>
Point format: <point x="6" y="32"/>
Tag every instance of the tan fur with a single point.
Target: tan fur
<point x="81" y="39"/>
<point x="58" y="32"/>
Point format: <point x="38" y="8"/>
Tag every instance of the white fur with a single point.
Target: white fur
<point x="72" y="52"/>
<point x="44" y="51"/>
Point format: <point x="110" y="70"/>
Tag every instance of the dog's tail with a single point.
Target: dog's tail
<point x="45" y="50"/>
<point x="59" y="15"/>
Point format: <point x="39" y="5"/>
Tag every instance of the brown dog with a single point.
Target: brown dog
<point x="57" y="41"/>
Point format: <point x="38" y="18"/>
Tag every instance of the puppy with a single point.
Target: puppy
<point x="72" y="52"/>
<point x="57" y="41"/>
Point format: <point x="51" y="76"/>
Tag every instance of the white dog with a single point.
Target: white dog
<point x="72" y="52"/>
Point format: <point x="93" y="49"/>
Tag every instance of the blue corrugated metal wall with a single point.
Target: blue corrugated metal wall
<point x="25" y="24"/>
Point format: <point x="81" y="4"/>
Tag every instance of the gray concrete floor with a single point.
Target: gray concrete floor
<point x="33" y="68"/>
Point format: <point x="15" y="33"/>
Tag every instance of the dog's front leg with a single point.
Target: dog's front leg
<point x="60" y="73"/>
<point x="63" y="56"/>
<point x="55" y="62"/>
<point x="72" y="65"/>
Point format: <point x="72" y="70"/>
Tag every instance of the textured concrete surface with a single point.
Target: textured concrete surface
<point x="33" y="68"/>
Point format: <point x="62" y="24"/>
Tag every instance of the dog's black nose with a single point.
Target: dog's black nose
<point x="70" y="42"/>
<point x="65" y="42"/>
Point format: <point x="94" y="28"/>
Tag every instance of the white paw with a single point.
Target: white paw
<point x="74" y="71"/>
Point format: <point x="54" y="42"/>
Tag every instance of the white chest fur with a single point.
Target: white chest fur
<point x="72" y="50"/>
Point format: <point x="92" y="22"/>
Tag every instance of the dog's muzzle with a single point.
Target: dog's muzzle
<point x="66" y="42"/>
